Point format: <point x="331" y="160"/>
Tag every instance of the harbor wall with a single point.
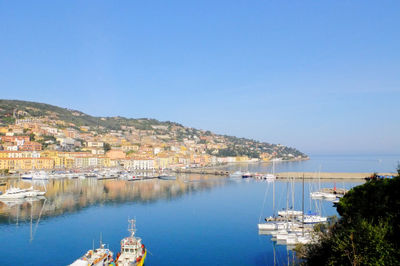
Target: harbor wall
<point x="327" y="175"/>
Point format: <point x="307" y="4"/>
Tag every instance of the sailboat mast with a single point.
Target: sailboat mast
<point x="273" y="199"/>
<point x="302" y="207"/>
<point x="287" y="204"/>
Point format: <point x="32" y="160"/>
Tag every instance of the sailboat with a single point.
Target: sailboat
<point x="271" y="177"/>
<point x="270" y="223"/>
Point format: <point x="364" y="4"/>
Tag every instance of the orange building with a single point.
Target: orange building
<point x="30" y="146"/>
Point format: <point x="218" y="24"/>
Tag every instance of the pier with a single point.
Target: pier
<point x="202" y="171"/>
<point x="327" y="175"/>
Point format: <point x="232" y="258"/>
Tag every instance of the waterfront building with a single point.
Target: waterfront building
<point x="25" y="164"/>
<point x="138" y="164"/>
<point x="116" y="154"/>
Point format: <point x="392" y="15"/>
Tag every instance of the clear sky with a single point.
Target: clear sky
<point x="321" y="76"/>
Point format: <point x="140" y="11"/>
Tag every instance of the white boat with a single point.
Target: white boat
<point x="329" y="196"/>
<point x="167" y="177"/>
<point x="268" y="226"/>
<point x="247" y="175"/>
<point x="133" y="252"/>
<point x="312" y="219"/>
<point x="316" y="195"/>
<point x="98" y="257"/>
<point x="286" y="213"/>
<point x="323" y="195"/>
<point x="40" y="175"/>
<point x="13" y="193"/>
<point x="272" y="176"/>
<point x="236" y="174"/>
<point x="31" y="192"/>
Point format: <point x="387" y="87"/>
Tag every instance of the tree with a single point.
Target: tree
<point x="107" y="147"/>
<point x="368" y="232"/>
<point x="32" y="137"/>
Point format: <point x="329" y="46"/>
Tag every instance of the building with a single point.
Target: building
<point x="138" y="164"/>
<point x="25" y="164"/>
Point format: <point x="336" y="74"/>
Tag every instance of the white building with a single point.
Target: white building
<point x="138" y="164"/>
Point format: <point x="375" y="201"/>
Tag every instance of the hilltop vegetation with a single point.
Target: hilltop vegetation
<point x="214" y="144"/>
<point x="24" y="109"/>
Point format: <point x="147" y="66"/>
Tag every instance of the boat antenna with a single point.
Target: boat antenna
<point x="131" y="227"/>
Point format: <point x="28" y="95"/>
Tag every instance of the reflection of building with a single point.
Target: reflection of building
<point x="69" y="195"/>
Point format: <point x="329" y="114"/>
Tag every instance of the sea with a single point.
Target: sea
<point x="193" y="220"/>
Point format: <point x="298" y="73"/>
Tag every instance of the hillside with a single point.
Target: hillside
<point x="12" y="111"/>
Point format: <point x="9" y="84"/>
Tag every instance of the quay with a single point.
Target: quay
<point x="202" y="171"/>
<point x="327" y="175"/>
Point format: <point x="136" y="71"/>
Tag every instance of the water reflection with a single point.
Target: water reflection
<point x="71" y="195"/>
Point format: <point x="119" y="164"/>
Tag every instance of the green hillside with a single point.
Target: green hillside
<point x="15" y="109"/>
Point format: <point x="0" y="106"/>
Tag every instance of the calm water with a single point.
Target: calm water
<point x="329" y="163"/>
<point x="202" y="221"/>
<point x="194" y="220"/>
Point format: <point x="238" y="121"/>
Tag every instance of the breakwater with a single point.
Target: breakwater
<point x="327" y="175"/>
<point x="203" y="171"/>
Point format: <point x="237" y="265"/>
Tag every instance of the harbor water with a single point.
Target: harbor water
<point x="196" y="219"/>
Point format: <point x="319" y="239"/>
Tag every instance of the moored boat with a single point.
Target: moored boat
<point x="167" y="177"/>
<point x="97" y="257"/>
<point x="13" y="193"/>
<point x="133" y="252"/>
<point x="41" y="175"/>
<point x="236" y="174"/>
<point x="247" y="175"/>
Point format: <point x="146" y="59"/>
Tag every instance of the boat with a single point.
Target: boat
<point x="247" y="175"/>
<point x="314" y="219"/>
<point x="167" y="177"/>
<point x="317" y="195"/>
<point x="288" y="213"/>
<point x="41" y="175"/>
<point x="133" y="252"/>
<point x="31" y="192"/>
<point x="236" y="174"/>
<point x="13" y="193"/>
<point x="95" y="257"/>
<point x="271" y="176"/>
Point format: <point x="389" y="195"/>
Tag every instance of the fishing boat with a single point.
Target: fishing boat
<point x="95" y="257"/>
<point x="133" y="252"/>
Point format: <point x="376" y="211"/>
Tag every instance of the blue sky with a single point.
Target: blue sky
<point x="321" y="76"/>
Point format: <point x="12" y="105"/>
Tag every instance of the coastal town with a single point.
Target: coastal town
<point x="34" y="139"/>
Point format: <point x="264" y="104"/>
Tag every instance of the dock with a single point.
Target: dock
<point x="327" y="175"/>
<point x="202" y="171"/>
